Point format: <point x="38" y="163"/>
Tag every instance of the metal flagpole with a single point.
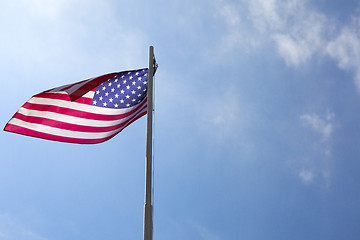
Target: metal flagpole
<point x="148" y="208"/>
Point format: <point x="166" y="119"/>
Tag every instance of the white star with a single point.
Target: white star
<point x="101" y="98"/>
<point x="118" y="86"/>
<point x="116" y="95"/>
<point x="116" y="80"/>
<point x="116" y="105"/>
<point x="122" y="76"/>
<point x="127" y="96"/>
<point x="131" y="77"/>
<point x="109" y="84"/>
<point x="133" y="100"/>
<point x="122" y="101"/>
<point x="122" y="91"/>
<point x="129" y="73"/>
<point x="127" y="87"/>
<point x="103" y="88"/>
<point x="104" y="104"/>
<point x="137" y="73"/>
<point x="124" y="81"/>
<point x="97" y="92"/>
<point x="94" y="102"/>
<point x="111" y="100"/>
<point x="128" y="105"/>
<point x="106" y="94"/>
<point x="133" y="83"/>
<point x="139" y="95"/>
<point x="139" y="78"/>
<point x="133" y="92"/>
<point x="113" y="89"/>
<point x="145" y="82"/>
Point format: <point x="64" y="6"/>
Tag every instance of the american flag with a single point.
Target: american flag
<point x="90" y="111"/>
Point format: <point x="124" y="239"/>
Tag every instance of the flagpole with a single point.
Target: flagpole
<point x="148" y="208"/>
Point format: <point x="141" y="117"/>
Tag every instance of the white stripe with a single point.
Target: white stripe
<point x="71" y="119"/>
<point x="80" y="106"/>
<point x="89" y="94"/>
<point x="63" y="132"/>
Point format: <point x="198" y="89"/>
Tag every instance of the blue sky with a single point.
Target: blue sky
<point x="256" y="122"/>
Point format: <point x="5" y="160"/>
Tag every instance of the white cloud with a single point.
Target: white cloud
<point x="316" y="164"/>
<point x="307" y="176"/>
<point x="345" y="49"/>
<point x="298" y="31"/>
<point x="230" y="14"/>
<point x="294" y="52"/>
<point x="237" y="33"/>
<point x="233" y="25"/>
<point x="302" y="42"/>
<point x="226" y="115"/>
<point x="265" y="15"/>
<point x="323" y="126"/>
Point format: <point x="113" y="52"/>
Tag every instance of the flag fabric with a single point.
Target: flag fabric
<point x="90" y="111"/>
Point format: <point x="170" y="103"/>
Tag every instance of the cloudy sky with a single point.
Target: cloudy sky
<point x="256" y="122"/>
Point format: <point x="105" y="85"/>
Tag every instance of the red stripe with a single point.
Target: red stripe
<point x="90" y="85"/>
<point x="71" y="85"/>
<point x="71" y="126"/>
<point x="60" y="96"/>
<point x="78" y="113"/>
<point x="32" y="133"/>
<point x="66" y="97"/>
<point x="85" y="87"/>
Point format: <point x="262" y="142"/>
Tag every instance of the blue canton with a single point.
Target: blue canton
<point x="122" y="91"/>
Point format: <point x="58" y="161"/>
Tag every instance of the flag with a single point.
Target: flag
<point x="90" y="111"/>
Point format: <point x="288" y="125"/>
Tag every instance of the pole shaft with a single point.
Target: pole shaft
<point x="148" y="209"/>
